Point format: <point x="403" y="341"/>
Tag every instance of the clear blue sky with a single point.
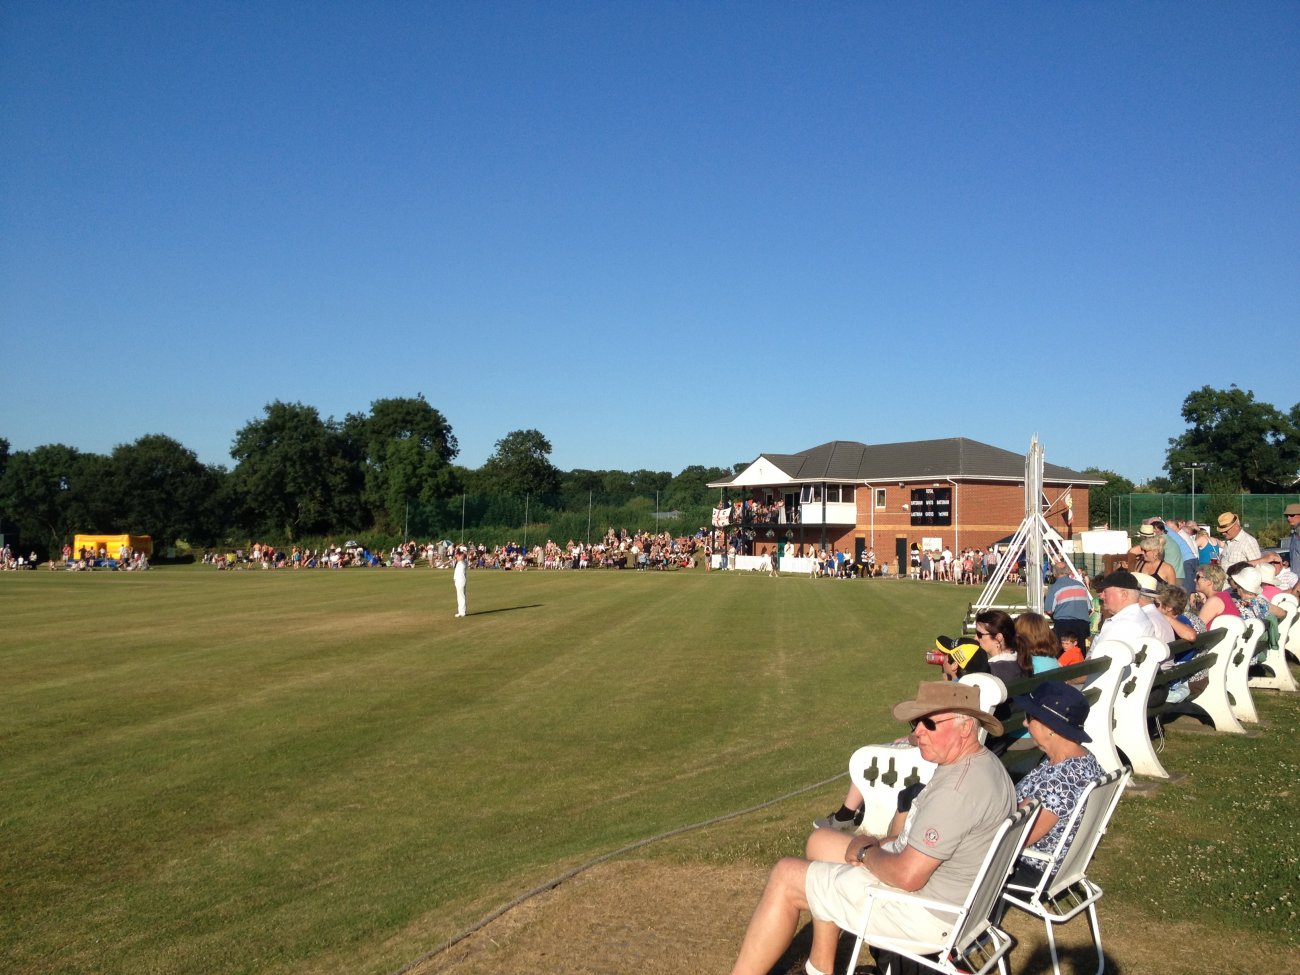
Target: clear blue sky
<point x="661" y="233"/>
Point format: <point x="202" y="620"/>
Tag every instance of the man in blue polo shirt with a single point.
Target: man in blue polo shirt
<point x="1191" y="557"/>
<point x="1068" y="602"/>
<point x="1292" y="515"/>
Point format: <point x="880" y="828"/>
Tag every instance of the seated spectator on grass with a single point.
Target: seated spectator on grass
<point x="1055" y="714"/>
<point x="1125" y="619"/>
<point x="1148" y="587"/>
<point x="1248" y="588"/>
<point x="1172" y="603"/>
<point x="1212" y="595"/>
<point x="1071" y="651"/>
<point x="1150" y="558"/>
<point x="962" y="655"/>
<point x="996" y="632"/>
<point x="1284" y="578"/>
<point x="937" y="852"/>
<point x="1269" y="589"/>
<point x="1037" y="646"/>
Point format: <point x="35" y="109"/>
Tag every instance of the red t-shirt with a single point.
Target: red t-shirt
<point x="1071" y="656"/>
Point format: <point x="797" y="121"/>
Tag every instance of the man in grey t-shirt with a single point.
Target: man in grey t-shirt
<point x="936" y="854"/>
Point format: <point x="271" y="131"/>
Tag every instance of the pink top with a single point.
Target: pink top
<point x="1229" y="604"/>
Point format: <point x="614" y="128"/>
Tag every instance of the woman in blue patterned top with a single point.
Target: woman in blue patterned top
<point x="1054" y="714"/>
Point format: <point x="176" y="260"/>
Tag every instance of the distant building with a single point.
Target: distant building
<point x="931" y="494"/>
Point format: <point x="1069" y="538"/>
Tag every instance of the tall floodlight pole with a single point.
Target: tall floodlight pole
<point x="1193" y="468"/>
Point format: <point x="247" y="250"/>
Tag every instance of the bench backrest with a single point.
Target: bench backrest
<point x="881" y="772"/>
<point x="1130" y="736"/>
<point x="1148" y="655"/>
<point x="1090" y="668"/>
<point x="1214" y="701"/>
<point x="1105" y="671"/>
<point x="1288" y="631"/>
<point x="1276" y="673"/>
<point x="1101" y="712"/>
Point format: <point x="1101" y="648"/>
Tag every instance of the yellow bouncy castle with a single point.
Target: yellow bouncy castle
<point x="111" y="544"/>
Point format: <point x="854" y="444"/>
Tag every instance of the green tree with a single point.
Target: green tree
<point x="1254" y="444"/>
<point x="1099" y="498"/>
<point x="296" y="474"/>
<point x="617" y="485"/>
<point x="577" y="485"/>
<point x="52" y="492"/>
<point x="157" y="487"/>
<point x="520" y="465"/>
<point x="647" y="483"/>
<point x="690" y="488"/>
<point x="408" y="447"/>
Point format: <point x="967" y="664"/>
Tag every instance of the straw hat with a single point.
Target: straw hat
<point x="933" y="697"/>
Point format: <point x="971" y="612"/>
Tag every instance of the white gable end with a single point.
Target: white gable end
<point x="761" y="473"/>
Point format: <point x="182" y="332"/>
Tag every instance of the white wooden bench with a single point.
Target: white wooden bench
<point x="1225" y="701"/>
<point x="1292" y="642"/>
<point x="1132" y="736"/>
<point x="1102" y="717"/>
<point x="1238" y="675"/>
<point x="1276" y="673"/>
<point x="1213" y="701"/>
<point x="881" y="772"/>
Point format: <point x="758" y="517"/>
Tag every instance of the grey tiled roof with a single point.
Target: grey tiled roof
<point x="955" y="457"/>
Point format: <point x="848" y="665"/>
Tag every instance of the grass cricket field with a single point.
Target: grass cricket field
<point x="326" y="772"/>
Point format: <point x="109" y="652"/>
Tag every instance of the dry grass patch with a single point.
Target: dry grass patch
<point x="653" y="918"/>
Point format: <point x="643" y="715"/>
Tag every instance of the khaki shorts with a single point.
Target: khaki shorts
<point x="837" y="892"/>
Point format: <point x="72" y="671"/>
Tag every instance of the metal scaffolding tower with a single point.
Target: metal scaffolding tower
<point x="1035" y="538"/>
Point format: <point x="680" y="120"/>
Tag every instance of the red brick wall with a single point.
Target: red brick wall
<point x="983" y="513"/>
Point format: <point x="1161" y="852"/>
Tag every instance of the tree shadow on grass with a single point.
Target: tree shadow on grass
<point x="1074" y="959"/>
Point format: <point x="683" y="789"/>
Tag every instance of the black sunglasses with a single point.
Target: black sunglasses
<point x="929" y="723"/>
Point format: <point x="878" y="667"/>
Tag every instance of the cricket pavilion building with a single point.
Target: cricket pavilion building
<point x="931" y="494"/>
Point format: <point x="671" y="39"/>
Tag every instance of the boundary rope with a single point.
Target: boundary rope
<point x="583" y="867"/>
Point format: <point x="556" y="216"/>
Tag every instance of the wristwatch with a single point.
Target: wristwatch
<point x="862" y="853"/>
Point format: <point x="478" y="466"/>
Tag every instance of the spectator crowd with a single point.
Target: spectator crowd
<point x="616" y="550"/>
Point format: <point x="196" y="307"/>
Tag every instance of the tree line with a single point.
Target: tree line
<point x="297" y="475"/>
<point x="1234" y="444"/>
